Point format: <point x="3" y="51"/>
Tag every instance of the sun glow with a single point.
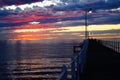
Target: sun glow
<point x="30" y="36"/>
<point x="38" y="32"/>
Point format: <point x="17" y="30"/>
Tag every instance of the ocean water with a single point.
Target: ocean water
<point x="33" y="61"/>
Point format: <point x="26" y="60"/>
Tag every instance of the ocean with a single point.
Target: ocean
<point x="27" y="60"/>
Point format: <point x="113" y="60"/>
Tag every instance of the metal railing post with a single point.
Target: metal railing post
<point x="119" y="47"/>
<point x="111" y="44"/>
<point x="64" y="69"/>
<point x="78" y="68"/>
<point x="63" y="75"/>
<point x="73" y="73"/>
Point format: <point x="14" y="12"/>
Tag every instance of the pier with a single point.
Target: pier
<point x="97" y="60"/>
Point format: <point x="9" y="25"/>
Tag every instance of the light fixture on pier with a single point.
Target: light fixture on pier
<point x="86" y="24"/>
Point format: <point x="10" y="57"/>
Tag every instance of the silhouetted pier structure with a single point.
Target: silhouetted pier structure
<point x="97" y="60"/>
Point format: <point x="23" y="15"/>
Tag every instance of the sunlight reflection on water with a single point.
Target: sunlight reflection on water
<point x="33" y="60"/>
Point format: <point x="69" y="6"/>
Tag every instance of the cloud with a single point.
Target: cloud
<point x="31" y="6"/>
<point x="16" y="2"/>
<point x="61" y="14"/>
<point x="112" y="31"/>
<point x="104" y="18"/>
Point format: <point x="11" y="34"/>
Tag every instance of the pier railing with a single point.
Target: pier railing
<point x="111" y="44"/>
<point x="76" y="65"/>
<point x="77" y="62"/>
<point x="63" y="75"/>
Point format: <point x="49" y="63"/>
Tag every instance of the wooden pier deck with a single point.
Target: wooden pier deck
<point x="102" y="63"/>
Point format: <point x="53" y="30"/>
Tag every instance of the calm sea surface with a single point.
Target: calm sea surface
<point x="32" y="61"/>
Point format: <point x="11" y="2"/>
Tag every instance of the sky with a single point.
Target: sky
<point x="59" y="19"/>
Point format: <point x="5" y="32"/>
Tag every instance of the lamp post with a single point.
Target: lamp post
<point x="86" y="24"/>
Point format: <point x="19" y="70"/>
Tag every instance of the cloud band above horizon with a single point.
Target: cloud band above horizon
<point x="59" y="14"/>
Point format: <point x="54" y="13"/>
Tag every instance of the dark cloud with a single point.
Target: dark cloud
<point x="73" y="21"/>
<point x="16" y="2"/>
<point x="112" y="31"/>
<point x="95" y="6"/>
<point x="103" y="5"/>
<point x="100" y="14"/>
<point x="104" y="19"/>
<point x="12" y="24"/>
<point x="42" y="21"/>
<point x="4" y="13"/>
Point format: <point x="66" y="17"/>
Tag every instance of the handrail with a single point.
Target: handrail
<point x="111" y="44"/>
<point x="77" y="64"/>
<point x="63" y="75"/>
